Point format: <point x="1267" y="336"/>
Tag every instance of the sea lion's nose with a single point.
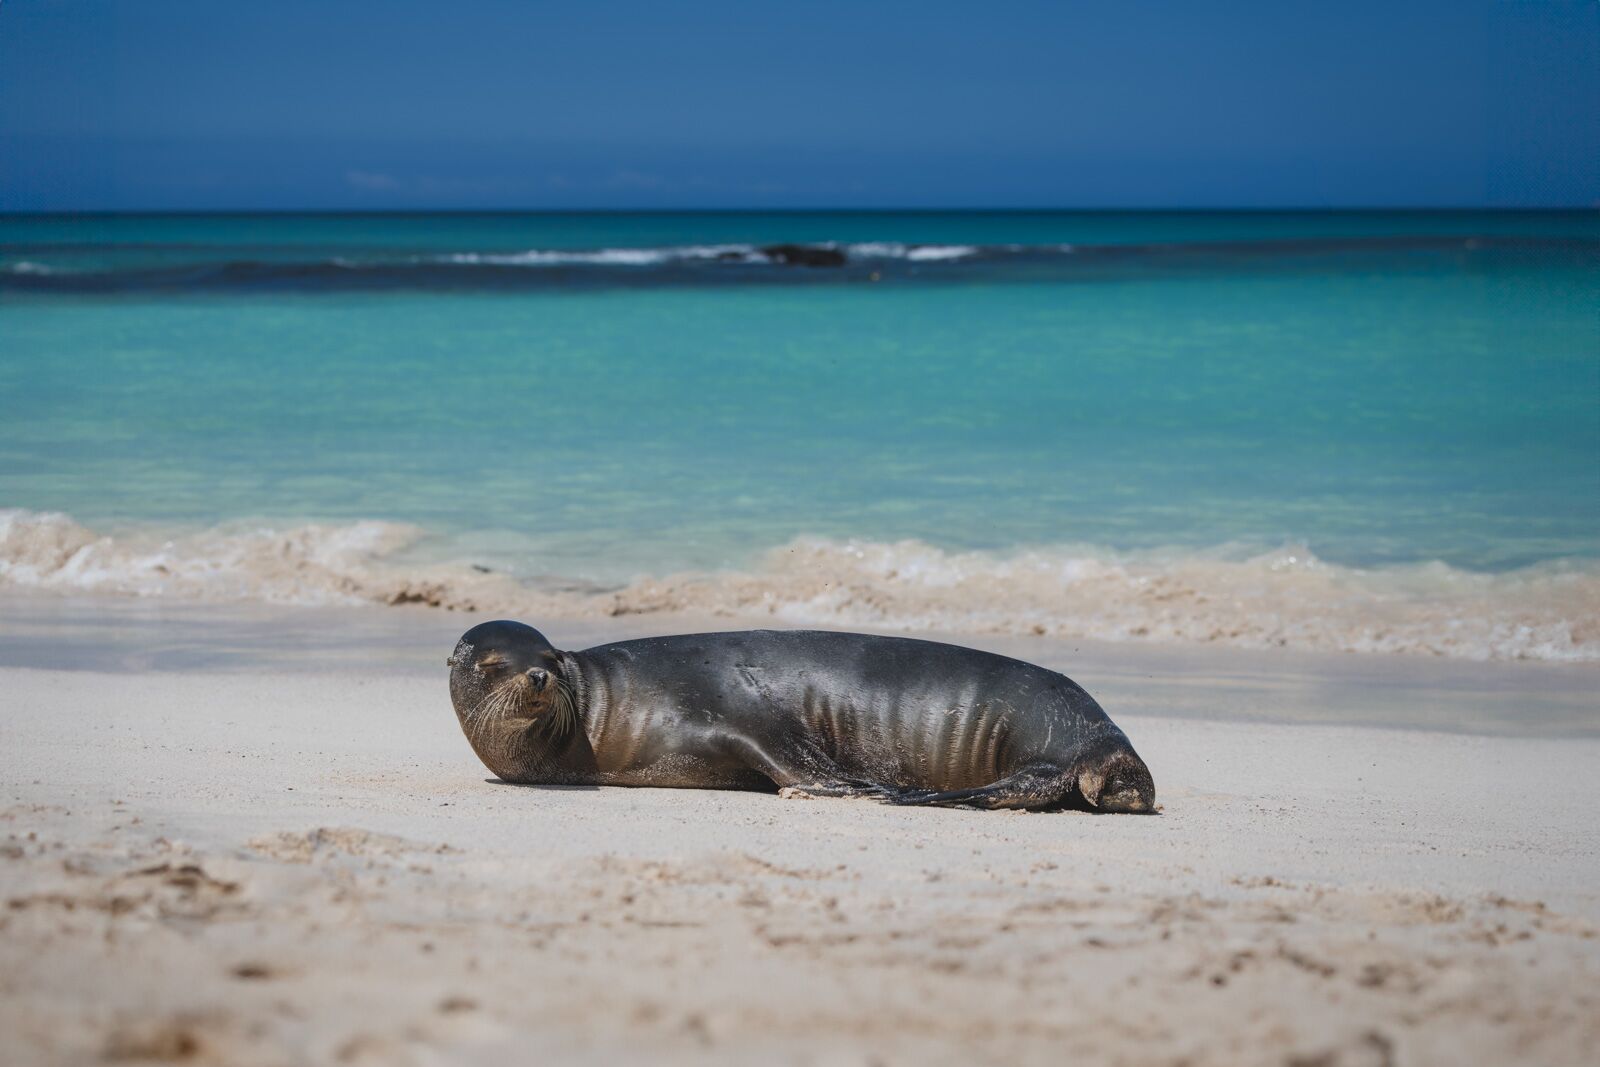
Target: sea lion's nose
<point x="538" y="677"/>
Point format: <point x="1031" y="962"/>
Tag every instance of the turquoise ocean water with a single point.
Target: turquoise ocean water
<point x="586" y="399"/>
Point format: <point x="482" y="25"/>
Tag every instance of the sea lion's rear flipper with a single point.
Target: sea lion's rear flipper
<point x="1032" y="787"/>
<point x="1118" y="783"/>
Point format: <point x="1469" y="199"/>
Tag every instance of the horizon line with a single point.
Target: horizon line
<point x="1255" y="210"/>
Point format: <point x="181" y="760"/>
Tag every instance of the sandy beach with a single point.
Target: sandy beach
<point x="256" y="836"/>
<point x="1239" y="364"/>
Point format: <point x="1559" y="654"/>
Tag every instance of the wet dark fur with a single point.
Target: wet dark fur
<point x="813" y="713"/>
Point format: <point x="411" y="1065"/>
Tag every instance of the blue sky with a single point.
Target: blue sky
<point x="387" y="104"/>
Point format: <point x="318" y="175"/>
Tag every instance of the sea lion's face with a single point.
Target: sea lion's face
<point x="509" y="691"/>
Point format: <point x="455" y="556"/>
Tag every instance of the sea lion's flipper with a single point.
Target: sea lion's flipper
<point x="833" y="789"/>
<point x="799" y="769"/>
<point x="1120" y="783"/>
<point x="1031" y="787"/>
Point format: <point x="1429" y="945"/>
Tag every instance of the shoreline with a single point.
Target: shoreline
<point x="1201" y="682"/>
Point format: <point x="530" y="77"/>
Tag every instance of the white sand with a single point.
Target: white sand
<point x="207" y="860"/>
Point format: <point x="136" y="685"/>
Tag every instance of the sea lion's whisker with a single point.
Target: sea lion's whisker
<point x="496" y="706"/>
<point x="509" y="697"/>
<point x="563" y="708"/>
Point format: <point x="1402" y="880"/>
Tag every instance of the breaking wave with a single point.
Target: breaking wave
<point x="1285" y="598"/>
<point x="180" y="268"/>
<point x="763" y="255"/>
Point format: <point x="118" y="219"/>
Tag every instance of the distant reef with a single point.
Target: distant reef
<point x="805" y="255"/>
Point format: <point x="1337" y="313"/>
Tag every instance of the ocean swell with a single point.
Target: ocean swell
<point x="1286" y="598"/>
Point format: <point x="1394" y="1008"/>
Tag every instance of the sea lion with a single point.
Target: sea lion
<point x="813" y="713"/>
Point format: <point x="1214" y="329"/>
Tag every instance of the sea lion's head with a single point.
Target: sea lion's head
<point x="512" y="694"/>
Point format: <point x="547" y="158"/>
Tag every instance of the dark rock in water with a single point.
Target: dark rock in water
<point x="804" y="255"/>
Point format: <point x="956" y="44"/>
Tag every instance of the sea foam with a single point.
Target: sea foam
<point x="721" y="253"/>
<point x="1285" y="598"/>
<point x="602" y="257"/>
